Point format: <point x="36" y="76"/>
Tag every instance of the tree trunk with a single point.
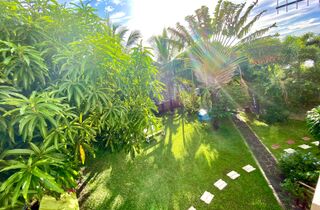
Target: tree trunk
<point x="215" y="98"/>
<point x="216" y="124"/>
<point x="255" y="103"/>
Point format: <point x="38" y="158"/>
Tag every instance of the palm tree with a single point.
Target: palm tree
<point x="212" y="43"/>
<point x="164" y="52"/>
<point x="128" y="41"/>
<point x="171" y="64"/>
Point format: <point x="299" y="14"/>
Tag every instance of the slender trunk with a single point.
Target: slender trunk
<point x="255" y="103"/>
<point x="215" y="99"/>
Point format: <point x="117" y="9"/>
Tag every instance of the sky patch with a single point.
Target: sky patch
<point x="151" y="16"/>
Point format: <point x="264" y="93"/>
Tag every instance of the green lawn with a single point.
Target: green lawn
<point x="173" y="172"/>
<point x="280" y="133"/>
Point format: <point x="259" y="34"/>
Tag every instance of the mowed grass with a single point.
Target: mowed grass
<point x="280" y="133"/>
<point x="174" y="171"/>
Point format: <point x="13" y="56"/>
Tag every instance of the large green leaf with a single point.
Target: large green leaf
<point x="47" y="179"/>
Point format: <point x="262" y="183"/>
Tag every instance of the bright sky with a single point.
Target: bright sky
<point x="151" y="16"/>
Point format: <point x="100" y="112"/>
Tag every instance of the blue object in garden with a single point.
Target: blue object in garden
<point x="203" y="115"/>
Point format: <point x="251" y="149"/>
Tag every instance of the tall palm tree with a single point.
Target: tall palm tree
<point x="212" y="43"/>
<point x="169" y="61"/>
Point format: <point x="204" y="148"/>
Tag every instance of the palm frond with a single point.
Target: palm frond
<point x="133" y="38"/>
<point x="217" y="10"/>
<point x="247" y="27"/>
<point x="256" y="34"/>
<point x="245" y="16"/>
<point x="121" y="31"/>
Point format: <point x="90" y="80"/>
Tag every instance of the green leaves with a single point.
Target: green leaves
<point x="23" y="65"/>
<point x="36" y="114"/>
<point x="34" y="170"/>
<point x="66" y="78"/>
<point x="313" y="122"/>
<point x="74" y="91"/>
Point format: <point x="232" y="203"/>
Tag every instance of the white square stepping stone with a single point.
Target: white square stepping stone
<point x="233" y="174"/>
<point x="207" y="197"/>
<point x="304" y="146"/>
<point x="289" y="150"/>
<point x="248" y="168"/>
<point x="315" y="143"/>
<point x="220" y="184"/>
<point x="192" y="208"/>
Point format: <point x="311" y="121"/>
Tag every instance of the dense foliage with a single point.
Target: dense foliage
<point x="66" y="82"/>
<point x="313" y="122"/>
<point x="70" y="80"/>
<point x="210" y="46"/>
<point x="283" y="76"/>
<point x="300" y="169"/>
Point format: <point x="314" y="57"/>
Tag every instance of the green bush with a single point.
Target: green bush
<point x="274" y="113"/>
<point x="190" y="101"/>
<point x="297" y="168"/>
<point x="313" y="122"/>
<point x="301" y="167"/>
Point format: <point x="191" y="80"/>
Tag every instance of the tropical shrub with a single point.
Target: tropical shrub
<point x="190" y="101"/>
<point x="31" y="173"/>
<point x="67" y="81"/>
<point x="299" y="168"/>
<point x="313" y="122"/>
<point x="276" y="72"/>
<point x="274" y="113"/>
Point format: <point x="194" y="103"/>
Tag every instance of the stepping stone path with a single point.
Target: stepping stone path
<point x="207" y="197"/>
<point x="220" y="184"/>
<point x="289" y="150"/>
<point x="315" y="143"/>
<point x="266" y="160"/>
<point x="275" y="146"/>
<point x="306" y="138"/>
<point x="304" y="146"/>
<point x="248" y="168"/>
<point x="290" y="142"/>
<point x="233" y="174"/>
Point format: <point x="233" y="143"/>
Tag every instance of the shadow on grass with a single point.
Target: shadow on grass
<point x="171" y="173"/>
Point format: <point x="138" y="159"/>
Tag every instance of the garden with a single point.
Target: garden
<point x="209" y="114"/>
